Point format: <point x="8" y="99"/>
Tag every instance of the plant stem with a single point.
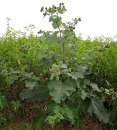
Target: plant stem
<point x="63" y="46"/>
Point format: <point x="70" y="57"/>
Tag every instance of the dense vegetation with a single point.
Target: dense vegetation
<point x="55" y="78"/>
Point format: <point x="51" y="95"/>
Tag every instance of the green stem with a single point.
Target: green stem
<point x="63" y="46"/>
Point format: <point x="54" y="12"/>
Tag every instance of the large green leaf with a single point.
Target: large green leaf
<point x="53" y="107"/>
<point x="51" y="39"/>
<point x="94" y="106"/>
<point x="54" y="25"/>
<point x="112" y="115"/>
<point x="41" y="56"/>
<point x="51" y="18"/>
<point x="76" y="75"/>
<point x="84" y="94"/>
<point x="30" y="83"/>
<point x="64" y="9"/>
<point x="47" y="61"/>
<point x="39" y="119"/>
<point x="81" y="84"/>
<point x="56" y="22"/>
<point x="60" y="90"/>
<point x="60" y="10"/>
<point x="97" y="107"/>
<point x="28" y="74"/>
<point x="36" y="94"/>
<point x="95" y="87"/>
<point x="82" y="69"/>
<point x="70" y="112"/>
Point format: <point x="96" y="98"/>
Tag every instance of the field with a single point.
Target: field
<point x="56" y="80"/>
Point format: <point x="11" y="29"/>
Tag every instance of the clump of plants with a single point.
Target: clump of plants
<point x="53" y="79"/>
<point x="67" y="90"/>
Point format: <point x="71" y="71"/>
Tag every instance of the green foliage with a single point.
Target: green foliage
<point x="36" y="94"/>
<point x="2" y="121"/>
<point x="25" y="126"/>
<point x="16" y="105"/>
<point x="71" y="113"/>
<point x="3" y="102"/>
<point x="57" y="113"/>
<point x="60" y="90"/>
<point x="94" y="106"/>
<point x="58" y="76"/>
<point x="39" y="118"/>
<point x="65" y="33"/>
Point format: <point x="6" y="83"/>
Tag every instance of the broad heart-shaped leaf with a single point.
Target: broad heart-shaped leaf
<point x="41" y="56"/>
<point x="60" y="90"/>
<point x="51" y="18"/>
<point x="53" y="107"/>
<point x="82" y="68"/>
<point x="54" y="25"/>
<point x="41" y="39"/>
<point x="36" y="94"/>
<point x="84" y="94"/>
<point x="81" y="84"/>
<point x="76" y="75"/>
<point x="60" y="10"/>
<point x="56" y="22"/>
<point x="52" y="39"/>
<point x="28" y="74"/>
<point x="30" y="83"/>
<point x="94" y="106"/>
<point x="39" y="119"/>
<point x="64" y="9"/>
<point x="70" y="112"/>
<point x="47" y="61"/>
<point x="95" y="87"/>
